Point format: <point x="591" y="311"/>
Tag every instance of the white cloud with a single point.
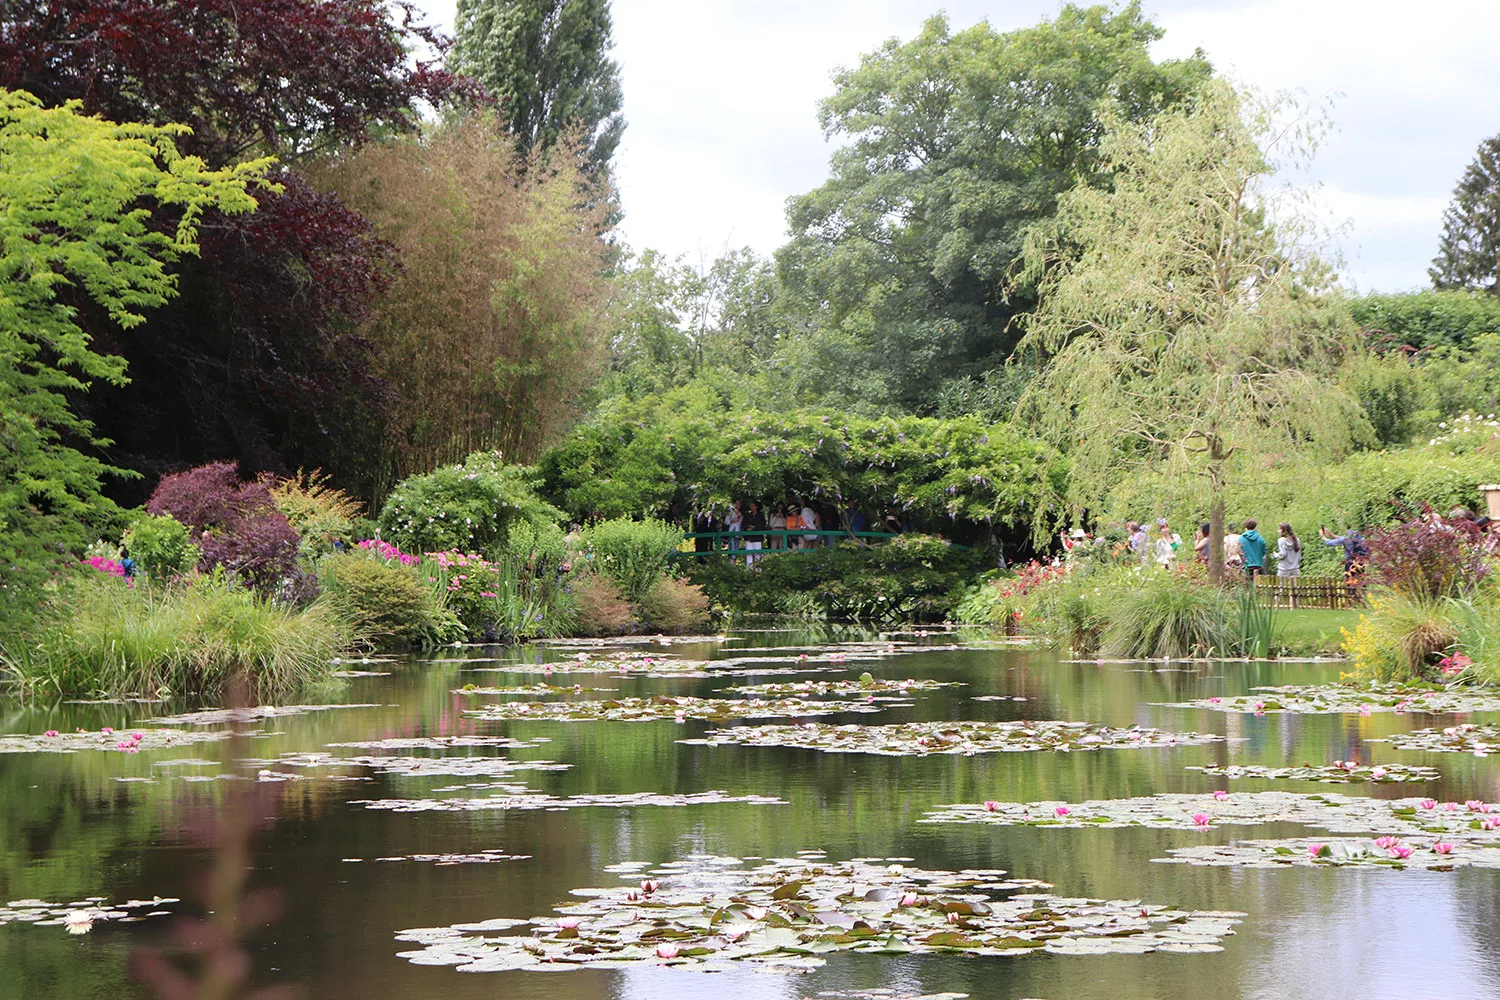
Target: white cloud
<point x="721" y="99"/>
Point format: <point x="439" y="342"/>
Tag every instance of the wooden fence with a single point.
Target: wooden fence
<point x="1310" y="592"/>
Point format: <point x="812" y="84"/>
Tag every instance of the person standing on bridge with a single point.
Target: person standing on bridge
<point x="755" y="520"/>
<point x="778" y="523"/>
<point x="809" y="521"/>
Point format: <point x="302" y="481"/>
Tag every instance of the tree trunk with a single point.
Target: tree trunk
<point x="1216" y="539"/>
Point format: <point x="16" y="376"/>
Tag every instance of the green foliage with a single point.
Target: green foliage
<point x="632" y="553"/>
<point x="1469" y="251"/>
<point x="1167" y="616"/>
<point x="98" y="635"/>
<point x="1402" y="638"/>
<point x="77" y="222"/>
<point x="1165" y="357"/>
<point x="910" y="578"/>
<point x="161" y="546"/>
<point x="1476" y="626"/>
<point x="468" y="508"/>
<point x="1427" y="319"/>
<point x="547" y="62"/>
<point x="674" y="606"/>
<point x="319" y="512"/>
<point x="388" y="601"/>
<point x="602" y="607"/>
<point x="1392" y="391"/>
<point x="1257" y="621"/>
<point x="948" y="147"/>
<point x="703" y="453"/>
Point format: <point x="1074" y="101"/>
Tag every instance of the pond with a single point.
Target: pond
<point x="417" y="805"/>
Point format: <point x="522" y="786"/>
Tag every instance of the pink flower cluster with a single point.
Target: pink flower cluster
<point x="1455" y="664"/>
<point x="389" y="552"/>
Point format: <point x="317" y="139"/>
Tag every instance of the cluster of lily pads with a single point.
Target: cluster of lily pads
<point x="662" y="707"/>
<point x="1365" y="699"/>
<point x="227" y="716"/>
<point x="527" y="689"/>
<point x="520" y="797"/>
<point x="787" y="913"/>
<point x="1339" y="772"/>
<point x="864" y="686"/>
<point x="443" y="743"/>
<point x="488" y="857"/>
<point x="947" y="737"/>
<point x="80" y="917"/>
<point x="1479" y="740"/>
<point x="128" y="741"/>
<point x="1168" y="810"/>
<point x="1426" y="854"/>
<point x="414" y="767"/>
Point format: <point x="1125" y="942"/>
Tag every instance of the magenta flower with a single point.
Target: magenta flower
<point x="666" y="951"/>
<point x="1442" y="847"/>
<point x="50" y="732"/>
<point x="1400" y="851"/>
<point x="1062" y="810"/>
<point x="1364" y="710"/>
<point x="1214" y="701"/>
<point x="1201" y="819"/>
<point x="1319" y="851"/>
<point x="1378" y="773"/>
<point x="1386" y="843"/>
<point x="1428" y="804"/>
<point x="106" y="730"/>
<point x="990" y="805"/>
<point x="1475" y="805"/>
<point x="1220" y="795"/>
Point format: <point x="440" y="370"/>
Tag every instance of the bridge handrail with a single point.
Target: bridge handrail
<point x="768" y="533"/>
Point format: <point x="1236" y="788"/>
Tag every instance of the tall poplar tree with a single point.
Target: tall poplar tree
<point x="548" y="62"/>
<point x="1469" y="252"/>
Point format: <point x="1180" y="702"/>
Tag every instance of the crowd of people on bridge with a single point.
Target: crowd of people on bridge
<point x="790" y="524"/>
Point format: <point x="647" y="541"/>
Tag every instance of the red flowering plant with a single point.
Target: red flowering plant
<point x="1429" y="557"/>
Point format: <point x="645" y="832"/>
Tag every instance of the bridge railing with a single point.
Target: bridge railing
<point x="719" y="542"/>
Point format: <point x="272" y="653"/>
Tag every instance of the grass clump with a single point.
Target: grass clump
<point x="1167" y="616"/>
<point x="99" y="636"/>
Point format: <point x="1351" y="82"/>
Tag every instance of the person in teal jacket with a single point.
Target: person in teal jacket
<point x="1253" y="549"/>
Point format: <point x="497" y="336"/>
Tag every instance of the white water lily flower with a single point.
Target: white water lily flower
<point x="79" y="921"/>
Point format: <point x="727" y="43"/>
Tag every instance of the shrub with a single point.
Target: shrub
<point x="1429" y="557"/>
<point x="602" y="606"/>
<point x="388" y="601"/>
<point x="320" y="513"/>
<point x="1167" y="616"/>
<point x="1400" y="638"/>
<point x="161" y="546"/>
<point x="674" y="606"/>
<point x="98" y="636"/>
<point x="633" y="553"/>
<point x="236" y="524"/>
<point x="466" y="508"/>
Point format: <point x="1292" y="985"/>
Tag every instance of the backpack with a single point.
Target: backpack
<point x="1360" y="548"/>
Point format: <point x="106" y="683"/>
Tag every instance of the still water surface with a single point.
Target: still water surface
<point x="70" y="828"/>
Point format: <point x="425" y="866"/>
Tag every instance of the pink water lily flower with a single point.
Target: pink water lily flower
<point x="990" y="805"/>
<point x="568" y="924"/>
<point x="1428" y="804"/>
<point x="649" y="886"/>
<point x="1490" y="823"/>
<point x="1317" y="850"/>
<point x="1201" y="819"/>
<point x="106" y="730"/>
<point x="1386" y="843"/>
<point x="1378" y="773"/>
<point x="1475" y="805"/>
<point x="909" y="899"/>
<point x="1450" y="805"/>
<point x="1062" y="810"/>
<point x="1214" y="701"/>
<point x="666" y="951"/>
<point x="50" y="732"/>
<point x="756" y="912"/>
<point x="1220" y="795"/>
<point x="1365" y="710"/>
<point x="1442" y="847"/>
<point x="1400" y="851"/>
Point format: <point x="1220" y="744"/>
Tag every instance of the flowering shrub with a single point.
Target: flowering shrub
<point x="110" y="567"/>
<point x="236" y="524"/>
<point x="161" y="546"/>
<point x="633" y="553"/>
<point x="465" y="508"/>
<point x="389" y="552"/>
<point x="1429" y="557"/>
<point x="1400" y="638"/>
<point x="388" y="600"/>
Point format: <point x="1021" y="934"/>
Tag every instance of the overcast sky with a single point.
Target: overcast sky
<point x="721" y="99"/>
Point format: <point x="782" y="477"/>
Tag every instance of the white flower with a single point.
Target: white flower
<point x="79" y="921"/>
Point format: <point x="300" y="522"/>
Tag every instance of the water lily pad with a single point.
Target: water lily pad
<point x="862" y="687"/>
<point x="114" y="741"/>
<point x="443" y="743"/>
<point x="520" y="797"/>
<point x="1314" y="699"/>
<point x="968" y="738"/>
<point x="1479" y="740"/>
<point x="708" y="913"/>
<point x="80" y="917"/>
<point x="528" y="689"/>
<point x="413" y="767"/>
<point x="489" y="857"/>
<point x="661" y="707"/>
<point x="1397" y="854"/>
<point x="225" y="716"/>
<point x="1339" y="772"/>
<point x="1329" y="811"/>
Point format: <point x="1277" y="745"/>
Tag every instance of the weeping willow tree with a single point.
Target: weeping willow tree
<point x="1185" y="327"/>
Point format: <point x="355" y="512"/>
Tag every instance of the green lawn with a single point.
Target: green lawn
<point x="1307" y="631"/>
